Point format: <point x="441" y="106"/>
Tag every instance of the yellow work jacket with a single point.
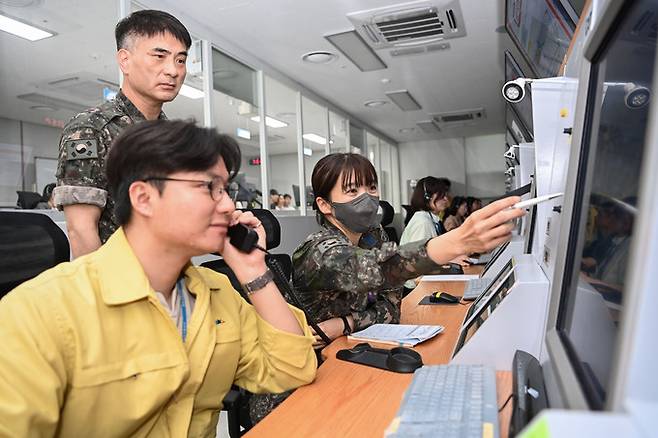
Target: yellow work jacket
<point x="86" y="350"/>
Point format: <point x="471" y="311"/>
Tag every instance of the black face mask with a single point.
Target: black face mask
<point x="359" y="214"/>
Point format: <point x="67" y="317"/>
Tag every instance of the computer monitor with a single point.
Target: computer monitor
<point x="494" y="257"/>
<point x="296" y="195"/>
<point x="523" y="109"/>
<point x="482" y="309"/>
<point x="479" y="302"/>
<point x="590" y="288"/>
<point x="309" y="195"/>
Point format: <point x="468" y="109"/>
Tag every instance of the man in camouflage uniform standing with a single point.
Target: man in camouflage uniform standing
<point x="151" y="52"/>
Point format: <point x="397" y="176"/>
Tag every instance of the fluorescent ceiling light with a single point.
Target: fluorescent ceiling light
<point x="22" y="30"/>
<point x="269" y="121"/>
<point x="404" y="100"/>
<point x="315" y="138"/>
<point x="356" y="50"/>
<point x="191" y="92"/>
<point x="243" y="133"/>
<point x="308" y="152"/>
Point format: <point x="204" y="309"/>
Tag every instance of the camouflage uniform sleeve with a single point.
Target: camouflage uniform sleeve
<point x="336" y="265"/>
<point x="386" y="310"/>
<point x="80" y="168"/>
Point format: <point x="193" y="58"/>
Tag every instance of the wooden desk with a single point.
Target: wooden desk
<point x="348" y="400"/>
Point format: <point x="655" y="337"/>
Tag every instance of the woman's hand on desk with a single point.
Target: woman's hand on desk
<point x="481" y="232"/>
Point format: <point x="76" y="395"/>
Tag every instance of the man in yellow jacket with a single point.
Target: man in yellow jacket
<point x="132" y="340"/>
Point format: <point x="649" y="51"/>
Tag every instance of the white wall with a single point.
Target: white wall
<point x="283" y="172"/>
<point x="37" y="141"/>
<point x="474" y="165"/>
<point x="485" y="166"/>
<point x="440" y="158"/>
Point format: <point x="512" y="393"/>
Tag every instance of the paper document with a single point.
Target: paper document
<point x="397" y="334"/>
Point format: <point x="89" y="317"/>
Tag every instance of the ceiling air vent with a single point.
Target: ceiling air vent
<point x="409" y="24"/>
<point x="83" y="87"/>
<point x="459" y="118"/>
<point x="53" y="102"/>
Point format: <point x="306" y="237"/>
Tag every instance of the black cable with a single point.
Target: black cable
<point x="276" y="268"/>
<point x="505" y="404"/>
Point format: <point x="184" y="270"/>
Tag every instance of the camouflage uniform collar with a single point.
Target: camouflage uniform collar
<point x="131" y="110"/>
<point x="365" y="241"/>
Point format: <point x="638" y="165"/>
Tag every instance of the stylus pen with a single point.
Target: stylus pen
<point x="537" y="200"/>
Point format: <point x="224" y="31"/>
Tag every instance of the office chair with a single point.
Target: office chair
<point x="408" y="213"/>
<point x="236" y="401"/>
<point x="273" y="240"/>
<point x="31" y="243"/>
<point x="387" y="217"/>
<point x="28" y="200"/>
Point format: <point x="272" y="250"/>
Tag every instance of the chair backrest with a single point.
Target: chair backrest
<point x="30" y="243"/>
<point x="271" y="226"/>
<point x="273" y="233"/>
<point x="387" y="213"/>
<point x="28" y="200"/>
<point x="408" y="213"/>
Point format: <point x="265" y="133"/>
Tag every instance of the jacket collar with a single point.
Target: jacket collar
<point x="131" y="110"/>
<point x="122" y="279"/>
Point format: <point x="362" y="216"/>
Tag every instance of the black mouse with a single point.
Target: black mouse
<point x="403" y="360"/>
<point x="443" y="297"/>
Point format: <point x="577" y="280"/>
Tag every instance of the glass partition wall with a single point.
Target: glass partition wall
<point x="47" y="84"/>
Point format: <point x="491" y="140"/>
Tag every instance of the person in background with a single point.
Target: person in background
<point x="287" y="202"/>
<point x="429" y="200"/>
<point x="46" y="202"/>
<point x="474" y="204"/>
<point x="284" y="203"/>
<point x="348" y="276"/>
<point x="274" y="199"/>
<point x="448" y="184"/>
<point x="151" y="52"/>
<point x="132" y="339"/>
<point x="456" y="214"/>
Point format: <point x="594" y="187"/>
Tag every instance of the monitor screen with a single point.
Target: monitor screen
<point x="502" y="275"/>
<point x="606" y="198"/>
<point x="514" y="125"/>
<point x="490" y="302"/>
<point x="522" y="109"/>
<point x="542" y="31"/>
<point x="501" y="249"/>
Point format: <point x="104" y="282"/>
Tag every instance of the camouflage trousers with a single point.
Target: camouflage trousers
<point x="262" y="404"/>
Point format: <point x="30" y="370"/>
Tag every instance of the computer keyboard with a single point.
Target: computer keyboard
<point x="448" y="401"/>
<point x="474" y="287"/>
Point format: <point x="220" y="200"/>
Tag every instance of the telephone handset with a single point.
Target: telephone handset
<point x="243" y="238"/>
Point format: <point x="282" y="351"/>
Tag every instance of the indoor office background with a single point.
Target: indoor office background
<point x="51" y="80"/>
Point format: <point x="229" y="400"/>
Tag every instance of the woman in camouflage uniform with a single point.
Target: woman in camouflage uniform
<point x="348" y="276"/>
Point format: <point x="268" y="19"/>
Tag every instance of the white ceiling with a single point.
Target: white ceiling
<point x="278" y="32"/>
<point x="466" y="76"/>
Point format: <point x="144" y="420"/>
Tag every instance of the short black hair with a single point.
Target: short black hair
<point x="457" y="202"/>
<point x="149" y="23"/>
<point x="159" y="148"/>
<point x="48" y="191"/>
<point x="273" y="192"/>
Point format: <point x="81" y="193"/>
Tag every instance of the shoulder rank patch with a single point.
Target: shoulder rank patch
<point x="81" y="149"/>
<point x="326" y="245"/>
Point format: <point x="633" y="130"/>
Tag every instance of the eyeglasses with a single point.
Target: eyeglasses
<point x="215" y="186"/>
